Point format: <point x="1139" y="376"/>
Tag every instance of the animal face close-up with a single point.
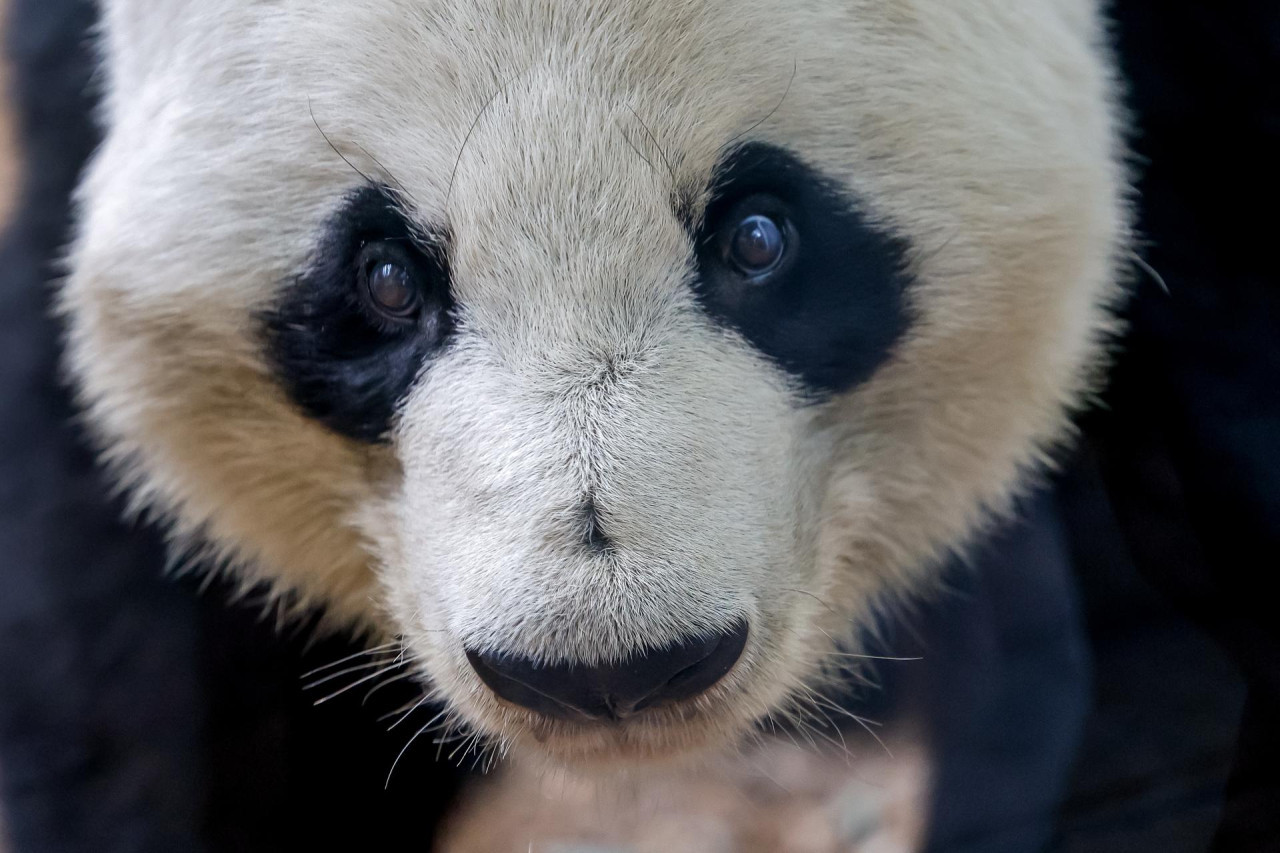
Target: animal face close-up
<point x="499" y="426"/>
<point x="620" y="361"/>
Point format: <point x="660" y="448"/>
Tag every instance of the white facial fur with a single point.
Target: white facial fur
<point x="550" y="138"/>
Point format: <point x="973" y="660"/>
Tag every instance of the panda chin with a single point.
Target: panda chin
<point x="666" y="739"/>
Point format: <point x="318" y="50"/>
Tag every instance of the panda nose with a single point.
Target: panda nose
<point x="645" y="680"/>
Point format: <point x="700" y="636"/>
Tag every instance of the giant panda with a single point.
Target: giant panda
<point x="615" y="358"/>
<point x="617" y="365"/>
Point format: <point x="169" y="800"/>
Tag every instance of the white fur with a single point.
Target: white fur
<point x="550" y="137"/>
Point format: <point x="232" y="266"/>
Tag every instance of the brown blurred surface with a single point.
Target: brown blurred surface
<point x="776" y="797"/>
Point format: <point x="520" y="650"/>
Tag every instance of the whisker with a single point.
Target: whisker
<point x="401" y="677"/>
<point x="440" y="742"/>
<point x="632" y="146"/>
<point x="805" y="724"/>
<point x="466" y="741"/>
<point x="861" y="721"/>
<point x="839" y="654"/>
<point x="654" y="140"/>
<point x="357" y="668"/>
<point x="795" y="64"/>
<point x="400" y="755"/>
<point x="452" y="737"/>
<point x="871" y="657"/>
<point x="386" y="171"/>
<point x="356" y="683"/>
<point x="757" y="764"/>
<point x="814" y="696"/>
<point x="1149" y="270"/>
<point x="406" y="714"/>
<point x="472" y="129"/>
<point x="815" y="598"/>
<point x="407" y="707"/>
<point x="376" y="649"/>
<point x="329" y="141"/>
<point x="789" y="731"/>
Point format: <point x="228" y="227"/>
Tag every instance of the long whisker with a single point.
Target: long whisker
<point x="357" y="668"/>
<point x="406" y="708"/>
<point x="358" y="682"/>
<point x="403" y="750"/>
<point x="815" y="696"/>
<point x="815" y="598"/>
<point x="472" y="129"/>
<point x="661" y="153"/>
<point x="386" y="171"/>
<point x="1150" y="270"/>
<point x="381" y="684"/>
<point x="795" y="64"/>
<point x="329" y="141"/>
<point x="406" y="714"/>
<point x="861" y="721"/>
<point x="375" y="650"/>
<point x="871" y="657"/>
<point x="632" y="146"/>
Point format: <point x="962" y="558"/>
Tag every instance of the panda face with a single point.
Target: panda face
<point x="618" y="357"/>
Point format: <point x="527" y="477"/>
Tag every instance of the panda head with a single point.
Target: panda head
<point x="619" y="358"/>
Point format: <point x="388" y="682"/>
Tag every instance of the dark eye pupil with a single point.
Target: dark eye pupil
<point x="756" y="245"/>
<point x="391" y="289"/>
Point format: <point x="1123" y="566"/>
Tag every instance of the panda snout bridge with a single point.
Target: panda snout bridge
<point x="647" y="679"/>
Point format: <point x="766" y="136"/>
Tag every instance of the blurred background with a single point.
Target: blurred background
<point x="8" y="172"/>
<point x="1104" y="676"/>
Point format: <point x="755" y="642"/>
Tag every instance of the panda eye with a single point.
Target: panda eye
<point x="756" y="245"/>
<point x="754" y="237"/>
<point x="388" y="282"/>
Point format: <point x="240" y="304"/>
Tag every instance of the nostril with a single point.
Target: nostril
<point x="645" y="680"/>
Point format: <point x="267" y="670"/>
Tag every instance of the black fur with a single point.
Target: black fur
<point x="87" y="628"/>
<point x="339" y="361"/>
<point x="831" y="315"/>
<point x="1188" y="446"/>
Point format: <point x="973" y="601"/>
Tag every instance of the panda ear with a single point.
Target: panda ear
<point x="136" y="40"/>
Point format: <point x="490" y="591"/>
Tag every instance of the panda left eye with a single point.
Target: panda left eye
<point x="756" y="239"/>
<point x="756" y="246"/>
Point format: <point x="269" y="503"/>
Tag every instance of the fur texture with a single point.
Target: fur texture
<point x="559" y="146"/>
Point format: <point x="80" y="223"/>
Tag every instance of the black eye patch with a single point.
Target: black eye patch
<point x="785" y="257"/>
<point x="349" y="336"/>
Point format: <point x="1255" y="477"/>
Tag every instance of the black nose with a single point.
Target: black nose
<point x="645" y="680"/>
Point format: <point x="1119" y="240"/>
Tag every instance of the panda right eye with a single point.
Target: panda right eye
<point x="349" y="337"/>
<point x="389" y="283"/>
